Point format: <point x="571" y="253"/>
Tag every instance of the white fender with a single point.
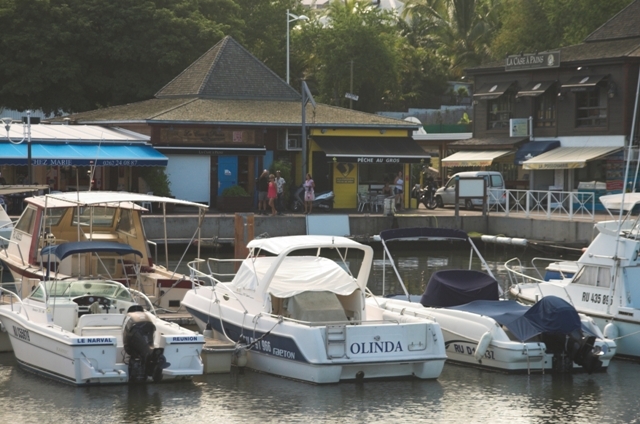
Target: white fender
<point x="483" y="344"/>
<point x="610" y="331"/>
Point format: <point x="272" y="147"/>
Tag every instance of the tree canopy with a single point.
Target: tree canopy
<point x="76" y="55"/>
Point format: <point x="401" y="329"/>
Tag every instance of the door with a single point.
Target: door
<point x="213" y="187"/>
<point x="189" y="177"/>
<point x="227" y="172"/>
<point x="449" y="192"/>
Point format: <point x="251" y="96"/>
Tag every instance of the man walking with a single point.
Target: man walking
<point x="280" y="182"/>
<point x="263" y="186"/>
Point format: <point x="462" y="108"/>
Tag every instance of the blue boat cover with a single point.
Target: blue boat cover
<point x="421" y="233"/>
<point x="550" y="315"/>
<point x="63" y="250"/>
<point x="454" y="287"/>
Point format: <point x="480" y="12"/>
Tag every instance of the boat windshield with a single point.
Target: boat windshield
<point x="101" y="216"/>
<point x="71" y="289"/>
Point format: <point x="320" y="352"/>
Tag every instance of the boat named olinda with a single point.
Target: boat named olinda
<point x="296" y="308"/>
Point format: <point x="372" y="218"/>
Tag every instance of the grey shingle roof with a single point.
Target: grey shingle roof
<point x="488" y="143"/>
<point x="235" y="112"/>
<point x="625" y="24"/>
<point x="228" y="71"/>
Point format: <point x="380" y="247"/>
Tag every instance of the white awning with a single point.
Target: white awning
<point x="474" y="158"/>
<point x="568" y="157"/>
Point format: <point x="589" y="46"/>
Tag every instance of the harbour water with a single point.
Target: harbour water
<point x="461" y="394"/>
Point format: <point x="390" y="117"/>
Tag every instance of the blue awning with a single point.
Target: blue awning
<point x="533" y="149"/>
<point x="53" y="154"/>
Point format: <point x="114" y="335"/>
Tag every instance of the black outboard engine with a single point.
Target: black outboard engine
<point x="144" y="360"/>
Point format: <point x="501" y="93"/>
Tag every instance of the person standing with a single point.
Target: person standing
<point x="280" y="182"/>
<point x="272" y="194"/>
<point x="263" y="187"/>
<point x="309" y="195"/>
<point x="398" y="190"/>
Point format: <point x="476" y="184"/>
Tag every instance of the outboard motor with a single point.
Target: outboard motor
<point x="145" y="360"/>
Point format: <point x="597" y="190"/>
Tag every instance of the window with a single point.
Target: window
<point x="593" y="276"/>
<point x="591" y="108"/>
<point x="546" y="109"/>
<point x="25" y="224"/>
<point x="500" y="111"/>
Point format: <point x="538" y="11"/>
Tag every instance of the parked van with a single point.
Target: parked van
<point x="496" y="193"/>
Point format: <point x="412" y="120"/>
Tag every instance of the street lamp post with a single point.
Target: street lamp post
<point x="26" y="136"/>
<point x="292" y="18"/>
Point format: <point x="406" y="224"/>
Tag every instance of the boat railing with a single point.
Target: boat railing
<point x="136" y="293"/>
<point x="516" y="273"/>
<point x="6" y="242"/>
<point x="541" y="203"/>
<point x="323" y="323"/>
<point x="5" y="292"/>
<point x="213" y="274"/>
<point x="155" y="249"/>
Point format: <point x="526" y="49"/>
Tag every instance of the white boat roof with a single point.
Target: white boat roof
<point x="279" y="245"/>
<point x="103" y="198"/>
<point x="615" y="201"/>
<point x="295" y="275"/>
<point x="21" y="188"/>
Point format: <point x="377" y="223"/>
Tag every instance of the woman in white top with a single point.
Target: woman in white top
<point x="398" y="190"/>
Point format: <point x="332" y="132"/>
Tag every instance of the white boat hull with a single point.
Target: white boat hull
<point x="378" y="349"/>
<point x="463" y="332"/>
<point x="94" y="358"/>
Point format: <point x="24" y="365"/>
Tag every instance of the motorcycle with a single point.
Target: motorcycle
<point x="427" y="194"/>
<point x="323" y="200"/>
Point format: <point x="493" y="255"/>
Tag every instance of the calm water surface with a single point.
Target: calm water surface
<point x="460" y="394"/>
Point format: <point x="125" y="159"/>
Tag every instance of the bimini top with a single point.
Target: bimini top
<point x="423" y="233"/>
<point x="615" y="201"/>
<point x="103" y="198"/>
<point x="279" y="245"/>
<point x="454" y="287"/>
<point x="63" y="250"/>
<point x="549" y="315"/>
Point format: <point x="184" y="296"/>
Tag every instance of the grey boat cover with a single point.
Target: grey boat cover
<point x="550" y="315"/>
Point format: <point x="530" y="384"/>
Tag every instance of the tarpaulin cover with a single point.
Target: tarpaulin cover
<point x="550" y="315"/>
<point x="454" y="287"/>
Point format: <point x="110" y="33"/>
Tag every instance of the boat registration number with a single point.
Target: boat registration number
<point x="598" y="298"/>
<point x="21" y="333"/>
<point x="468" y="350"/>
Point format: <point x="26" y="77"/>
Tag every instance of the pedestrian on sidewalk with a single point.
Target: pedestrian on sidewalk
<point x="272" y="194"/>
<point x="263" y="187"/>
<point x="280" y="182"/>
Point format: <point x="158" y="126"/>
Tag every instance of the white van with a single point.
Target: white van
<point x="446" y="195"/>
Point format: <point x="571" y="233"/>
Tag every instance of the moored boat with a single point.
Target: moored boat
<point x="482" y="330"/>
<point x="296" y="308"/>
<point x="96" y="331"/>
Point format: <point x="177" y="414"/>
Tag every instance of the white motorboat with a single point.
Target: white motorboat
<point x="296" y="308"/>
<point x="93" y="331"/>
<point x="605" y="285"/>
<point x="59" y="218"/>
<point x="482" y="330"/>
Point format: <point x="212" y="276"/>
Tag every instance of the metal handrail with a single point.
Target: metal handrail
<point x="12" y="295"/>
<point x="544" y="203"/>
<point x="6" y="248"/>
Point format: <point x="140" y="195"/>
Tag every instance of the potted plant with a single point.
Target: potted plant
<point x="235" y="199"/>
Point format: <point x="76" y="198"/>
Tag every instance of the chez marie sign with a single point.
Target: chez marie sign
<point x="532" y="61"/>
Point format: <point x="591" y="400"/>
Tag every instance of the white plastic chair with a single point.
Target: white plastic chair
<point x="148" y="205"/>
<point x="363" y="201"/>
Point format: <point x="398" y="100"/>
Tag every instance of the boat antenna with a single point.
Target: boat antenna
<point x="92" y="169"/>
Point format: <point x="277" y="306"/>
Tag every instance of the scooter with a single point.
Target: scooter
<point x="323" y="200"/>
<point x="427" y="194"/>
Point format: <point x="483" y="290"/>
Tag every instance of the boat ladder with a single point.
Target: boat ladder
<point x="335" y="341"/>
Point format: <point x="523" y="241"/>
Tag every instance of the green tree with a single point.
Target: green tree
<point x="539" y="25"/>
<point x="359" y="33"/>
<point x="75" y="55"/>
<point x="459" y="30"/>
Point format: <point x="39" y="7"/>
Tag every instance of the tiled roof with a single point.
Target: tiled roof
<point x="488" y="142"/>
<point x="235" y="112"/>
<point x="228" y="71"/>
<point x="625" y="24"/>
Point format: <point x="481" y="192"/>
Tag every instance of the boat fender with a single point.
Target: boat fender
<point x="635" y="255"/>
<point x="610" y="331"/>
<point x="483" y="345"/>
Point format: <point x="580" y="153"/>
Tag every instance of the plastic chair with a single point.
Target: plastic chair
<point x="378" y="201"/>
<point x="363" y="201"/>
<point x="148" y="205"/>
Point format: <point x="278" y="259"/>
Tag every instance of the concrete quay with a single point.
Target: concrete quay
<point x="219" y="228"/>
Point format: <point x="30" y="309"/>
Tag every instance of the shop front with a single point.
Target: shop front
<point x="365" y="164"/>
